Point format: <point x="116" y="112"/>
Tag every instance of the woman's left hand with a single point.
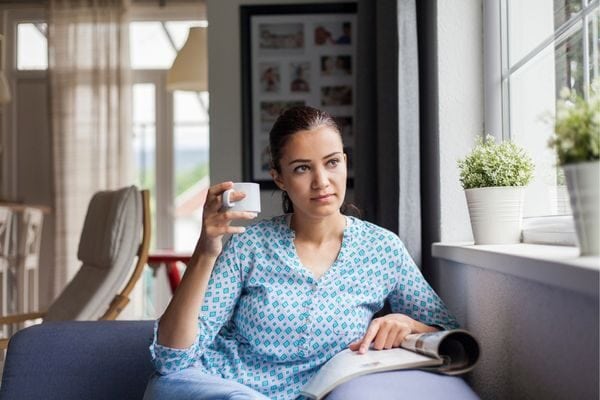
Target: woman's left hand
<point x="386" y="332"/>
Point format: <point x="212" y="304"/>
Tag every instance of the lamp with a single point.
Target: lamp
<point x="190" y="70"/>
<point x="4" y="87"/>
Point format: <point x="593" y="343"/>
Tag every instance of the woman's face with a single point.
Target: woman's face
<point x="313" y="172"/>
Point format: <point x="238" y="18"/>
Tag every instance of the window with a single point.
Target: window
<point x="170" y="130"/>
<point x="170" y="134"/>
<point x="32" y="46"/>
<point x="536" y="57"/>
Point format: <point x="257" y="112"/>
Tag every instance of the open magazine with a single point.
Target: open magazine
<point x="450" y="352"/>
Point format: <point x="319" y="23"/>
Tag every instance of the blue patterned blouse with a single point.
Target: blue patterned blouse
<point x="269" y="324"/>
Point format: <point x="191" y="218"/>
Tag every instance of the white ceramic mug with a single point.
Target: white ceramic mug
<point x="249" y="203"/>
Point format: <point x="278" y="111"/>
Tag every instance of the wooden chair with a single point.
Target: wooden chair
<point x="116" y="230"/>
<point x="28" y="258"/>
<point x="6" y="216"/>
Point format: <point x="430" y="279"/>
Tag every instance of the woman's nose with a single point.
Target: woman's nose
<point x="320" y="179"/>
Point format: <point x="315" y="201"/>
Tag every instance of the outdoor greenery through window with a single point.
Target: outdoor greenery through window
<point x="556" y="48"/>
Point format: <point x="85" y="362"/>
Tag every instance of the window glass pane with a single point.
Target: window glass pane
<point x="594" y="45"/>
<point x="191" y="165"/>
<point x="154" y="45"/>
<point x="144" y="142"/>
<point x="533" y="92"/>
<point x="150" y="46"/>
<point x="32" y="47"/>
<point x="564" y="10"/>
<point x="568" y="59"/>
<point x="179" y="30"/>
<point x="524" y="31"/>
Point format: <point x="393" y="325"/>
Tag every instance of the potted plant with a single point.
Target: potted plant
<point x="576" y="141"/>
<point x="494" y="176"/>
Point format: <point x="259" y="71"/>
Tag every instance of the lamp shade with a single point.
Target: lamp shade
<point x="190" y="68"/>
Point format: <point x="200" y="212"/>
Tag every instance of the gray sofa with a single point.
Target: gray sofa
<point x="78" y="360"/>
<point x="110" y="360"/>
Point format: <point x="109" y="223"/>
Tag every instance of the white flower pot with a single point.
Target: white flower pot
<point x="583" y="181"/>
<point x="496" y="214"/>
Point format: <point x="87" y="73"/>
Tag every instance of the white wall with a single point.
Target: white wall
<point x="460" y="80"/>
<point x="224" y="81"/>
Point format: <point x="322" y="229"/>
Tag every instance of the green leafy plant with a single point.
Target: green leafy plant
<point x="490" y="164"/>
<point x="577" y="127"/>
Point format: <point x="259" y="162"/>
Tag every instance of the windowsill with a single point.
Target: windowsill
<point x="558" y="266"/>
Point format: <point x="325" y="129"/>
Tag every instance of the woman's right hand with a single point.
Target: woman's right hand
<point x="216" y="221"/>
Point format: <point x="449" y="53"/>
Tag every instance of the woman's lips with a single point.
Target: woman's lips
<point x="324" y="197"/>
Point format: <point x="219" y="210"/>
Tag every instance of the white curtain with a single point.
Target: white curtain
<point x="409" y="198"/>
<point x="90" y="97"/>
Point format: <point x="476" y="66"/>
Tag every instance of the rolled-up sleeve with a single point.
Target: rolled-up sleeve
<point x="222" y="293"/>
<point x="167" y="359"/>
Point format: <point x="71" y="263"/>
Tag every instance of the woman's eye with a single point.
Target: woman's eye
<point x="333" y="162"/>
<point x="301" y="168"/>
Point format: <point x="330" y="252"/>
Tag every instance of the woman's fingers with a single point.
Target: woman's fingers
<point x="216" y="221"/>
<point x="354" y="346"/>
<point x="219" y="188"/>
<point x="213" y="197"/>
<point x="369" y="336"/>
<point x="381" y="338"/>
<point x="385" y="333"/>
<point x="214" y="203"/>
<point x="233" y="215"/>
<point x="398" y="341"/>
<point x="236" y="196"/>
<point x="219" y="223"/>
<point x="394" y="335"/>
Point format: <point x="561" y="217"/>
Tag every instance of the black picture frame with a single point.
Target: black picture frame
<point x="315" y="44"/>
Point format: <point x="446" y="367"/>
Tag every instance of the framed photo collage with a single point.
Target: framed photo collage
<point x="296" y="55"/>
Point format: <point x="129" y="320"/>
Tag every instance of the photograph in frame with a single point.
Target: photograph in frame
<point x="295" y="55"/>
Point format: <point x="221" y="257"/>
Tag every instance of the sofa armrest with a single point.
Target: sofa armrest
<point x="78" y="360"/>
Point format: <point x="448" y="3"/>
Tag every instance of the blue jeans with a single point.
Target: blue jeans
<point x="195" y="384"/>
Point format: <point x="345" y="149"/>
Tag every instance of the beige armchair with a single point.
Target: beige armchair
<point x="115" y="231"/>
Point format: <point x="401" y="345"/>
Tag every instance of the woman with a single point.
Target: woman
<point x="257" y="318"/>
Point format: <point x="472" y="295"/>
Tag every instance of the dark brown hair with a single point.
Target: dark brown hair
<point x="290" y="122"/>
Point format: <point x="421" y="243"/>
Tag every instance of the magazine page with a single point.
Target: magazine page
<point x="457" y="348"/>
<point x="349" y="364"/>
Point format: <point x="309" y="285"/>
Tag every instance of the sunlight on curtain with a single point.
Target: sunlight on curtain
<point x="90" y="112"/>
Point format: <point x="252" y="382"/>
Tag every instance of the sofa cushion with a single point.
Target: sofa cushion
<point x="78" y="360"/>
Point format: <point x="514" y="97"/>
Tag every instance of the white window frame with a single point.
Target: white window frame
<point x="497" y="86"/>
<point x="496" y="62"/>
<point x="164" y="237"/>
